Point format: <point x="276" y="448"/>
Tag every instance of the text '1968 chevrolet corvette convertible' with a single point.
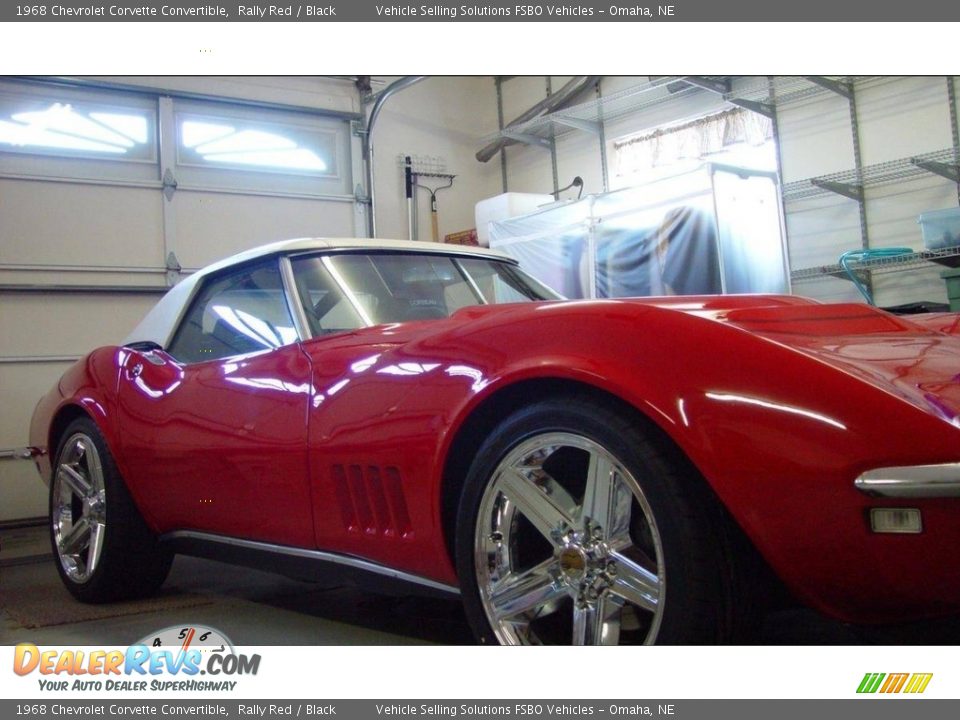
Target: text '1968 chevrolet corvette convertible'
<point x="594" y="472"/>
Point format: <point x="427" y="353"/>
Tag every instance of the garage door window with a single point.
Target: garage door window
<point x="48" y="125"/>
<point x="273" y="151"/>
<point x="230" y="144"/>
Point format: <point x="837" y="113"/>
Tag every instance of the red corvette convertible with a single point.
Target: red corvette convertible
<point x="597" y="472"/>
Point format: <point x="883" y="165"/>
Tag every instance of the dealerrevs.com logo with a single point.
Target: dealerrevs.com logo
<point x="887" y="683"/>
<point x="171" y="659"/>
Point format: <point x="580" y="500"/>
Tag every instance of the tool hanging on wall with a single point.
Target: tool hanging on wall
<point x="434" y="215"/>
<point x="411" y="199"/>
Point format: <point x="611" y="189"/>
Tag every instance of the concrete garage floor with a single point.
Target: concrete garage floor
<point x="256" y="608"/>
<point x="250" y="607"/>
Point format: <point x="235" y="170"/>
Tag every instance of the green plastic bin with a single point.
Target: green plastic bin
<point x="952" y="279"/>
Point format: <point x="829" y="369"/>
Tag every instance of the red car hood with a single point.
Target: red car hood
<point x="916" y="357"/>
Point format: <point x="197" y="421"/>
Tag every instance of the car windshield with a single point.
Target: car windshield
<point x="352" y="290"/>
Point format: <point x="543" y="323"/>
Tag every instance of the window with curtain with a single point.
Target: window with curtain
<point x="735" y="137"/>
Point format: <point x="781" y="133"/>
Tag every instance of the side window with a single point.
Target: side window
<point x="397" y="288"/>
<point x="328" y="309"/>
<point x="501" y="283"/>
<point x="234" y="314"/>
<point x="349" y="290"/>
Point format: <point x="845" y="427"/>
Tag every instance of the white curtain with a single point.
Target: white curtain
<point x="695" y="140"/>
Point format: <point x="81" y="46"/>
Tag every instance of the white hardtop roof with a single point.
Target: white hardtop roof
<point x="292" y="247"/>
<point x="158" y="324"/>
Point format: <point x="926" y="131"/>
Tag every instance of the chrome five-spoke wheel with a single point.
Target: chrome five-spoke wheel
<point x="78" y="508"/>
<point x="575" y="518"/>
<point x="566" y="547"/>
<point x="103" y="548"/>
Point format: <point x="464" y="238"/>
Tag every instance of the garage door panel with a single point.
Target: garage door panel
<point x="22" y="492"/>
<point x="68" y="324"/>
<point x="51" y="223"/>
<point x="211" y="226"/>
<point x="47" y="325"/>
<point x="24" y="384"/>
<point x="61" y="276"/>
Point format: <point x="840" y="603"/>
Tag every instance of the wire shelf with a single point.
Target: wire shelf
<point x="790" y="89"/>
<point x="879" y="265"/>
<point x="787" y="89"/>
<point x="609" y="107"/>
<point x="871" y="176"/>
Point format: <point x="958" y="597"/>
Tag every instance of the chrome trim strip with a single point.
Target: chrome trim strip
<point x="297" y="311"/>
<point x="318" y="555"/>
<point x="31" y="359"/>
<point x="917" y="481"/>
<point x="470" y="281"/>
<point x="20" y="453"/>
<point x="346" y="290"/>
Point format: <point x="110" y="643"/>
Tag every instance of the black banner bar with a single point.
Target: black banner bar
<point x="215" y="707"/>
<point x="483" y="11"/>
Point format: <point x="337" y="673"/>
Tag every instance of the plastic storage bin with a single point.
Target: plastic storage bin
<point x="504" y="206"/>
<point x="952" y="280"/>
<point x="940" y="228"/>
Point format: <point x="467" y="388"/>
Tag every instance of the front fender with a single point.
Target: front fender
<point x="779" y="435"/>
<point x="89" y="386"/>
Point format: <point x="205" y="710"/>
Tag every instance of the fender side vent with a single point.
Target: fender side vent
<point x="372" y="501"/>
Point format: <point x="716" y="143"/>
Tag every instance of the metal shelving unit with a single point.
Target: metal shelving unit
<point x="792" y="89"/>
<point x="765" y="95"/>
<point x="848" y="184"/>
<point x="585" y="116"/>
<point x="854" y="183"/>
<point x="752" y="93"/>
<point x="879" y="265"/>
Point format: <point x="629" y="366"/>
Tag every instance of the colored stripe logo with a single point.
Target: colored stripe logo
<point x="912" y="683"/>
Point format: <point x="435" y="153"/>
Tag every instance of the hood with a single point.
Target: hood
<point x="916" y="358"/>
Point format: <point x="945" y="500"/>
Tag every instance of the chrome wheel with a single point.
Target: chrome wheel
<point x="566" y="549"/>
<point x="78" y="508"/>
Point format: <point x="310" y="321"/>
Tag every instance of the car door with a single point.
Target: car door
<point x="374" y="430"/>
<point x="214" y="427"/>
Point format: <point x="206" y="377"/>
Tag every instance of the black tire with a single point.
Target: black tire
<point x="692" y="555"/>
<point x="131" y="562"/>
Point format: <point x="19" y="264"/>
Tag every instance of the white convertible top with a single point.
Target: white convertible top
<point x="159" y="324"/>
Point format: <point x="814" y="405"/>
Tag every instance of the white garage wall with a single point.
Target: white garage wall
<point x="60" y="224"/>
<point x="442" y="117"/>
<point x="898" y="117"/>
<point x="528" y="168"/>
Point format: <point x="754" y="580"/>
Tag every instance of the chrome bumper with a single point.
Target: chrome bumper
<point x="915" y="481"/>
